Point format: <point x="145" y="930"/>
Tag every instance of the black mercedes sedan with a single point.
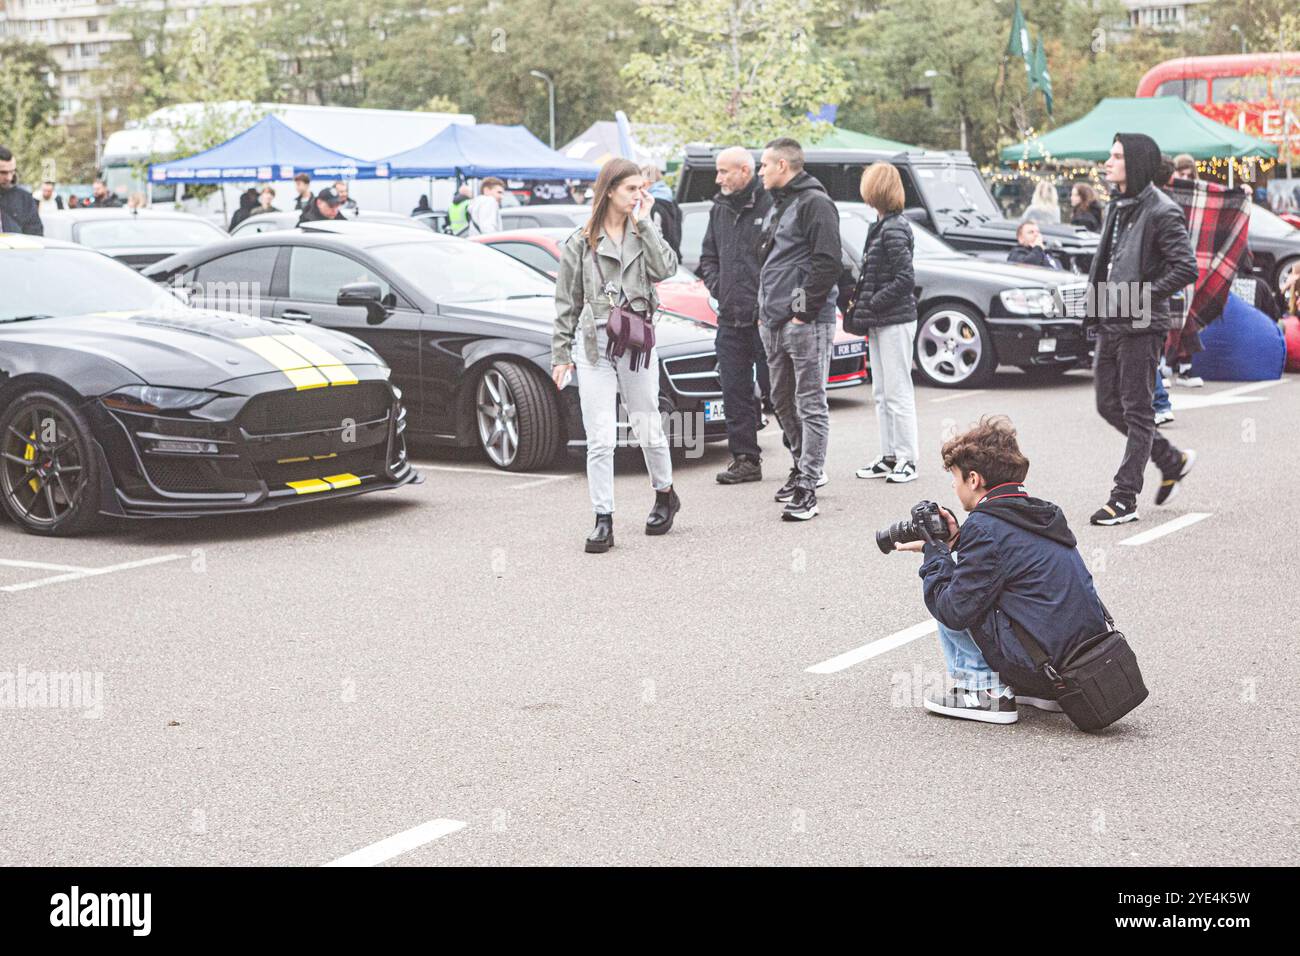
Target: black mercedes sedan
<point x="117" y="399"/>
<point x="466" y="330"/>
<point x="973" y="314"/>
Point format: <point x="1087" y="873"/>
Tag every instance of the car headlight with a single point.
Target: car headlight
<point x="1028" y="301"/>
<point x="154" y="398"/>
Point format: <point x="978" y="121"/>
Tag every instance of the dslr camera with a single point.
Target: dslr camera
<point x="927" y="523"/>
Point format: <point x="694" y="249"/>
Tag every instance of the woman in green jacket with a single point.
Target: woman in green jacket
<point x="615" y="259"/>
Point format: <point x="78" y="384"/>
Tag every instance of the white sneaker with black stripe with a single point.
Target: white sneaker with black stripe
<point x="903" y="471"/>
<point x="880" y="468"/>
<point x="973" y="705"/>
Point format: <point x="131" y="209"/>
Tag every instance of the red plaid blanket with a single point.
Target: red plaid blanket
<point x="1217" y="218"/>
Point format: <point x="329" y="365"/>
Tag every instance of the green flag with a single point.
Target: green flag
<point x="1039" y="76"/>
<point x="1018" y="42"/>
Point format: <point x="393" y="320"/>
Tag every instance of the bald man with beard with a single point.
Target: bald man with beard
<point x="729" y="266"/>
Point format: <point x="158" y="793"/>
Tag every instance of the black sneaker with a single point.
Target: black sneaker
<point x="802" y="506"/>
<point x="973" y="705"/>
<point x="1114" y="512"/>
<point x="742" y="469"/>
<point x="1171" y="480"/>
<point x="786" y="491"/>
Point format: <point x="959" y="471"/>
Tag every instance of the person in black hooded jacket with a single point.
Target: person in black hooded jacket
<point x="1144" y="258"/>
<point x="1014" y="559"/>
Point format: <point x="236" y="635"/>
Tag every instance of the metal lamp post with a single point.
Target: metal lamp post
<point x="550" y="93"/>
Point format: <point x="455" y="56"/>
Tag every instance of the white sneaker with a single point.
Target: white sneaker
<point x="1163" y="417"/>
<point x="880" y="468"/>
<point x="822" y="479"/>
<point x="903" y="471"/>
<point x="1042" y="703"/>
<point x="1189" y="381"/>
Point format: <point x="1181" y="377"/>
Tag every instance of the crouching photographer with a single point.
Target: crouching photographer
<point x="1010" y="571"/>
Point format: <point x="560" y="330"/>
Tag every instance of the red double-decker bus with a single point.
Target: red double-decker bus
<point x="1257" y="93"/>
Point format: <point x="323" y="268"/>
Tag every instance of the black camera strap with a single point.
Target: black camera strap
<point x="1035" y="650"/>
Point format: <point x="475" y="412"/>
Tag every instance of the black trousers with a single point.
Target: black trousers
<point x="740" y="353"/>
<point x="1124" y="377"/>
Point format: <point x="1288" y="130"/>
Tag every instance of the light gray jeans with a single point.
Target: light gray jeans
<point x="798" y="358"/>
<point x="599" y="388"/>
<point x="891" y="389"/>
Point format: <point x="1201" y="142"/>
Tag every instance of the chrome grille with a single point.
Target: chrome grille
<point x="695" y="374"/>
<point x="1075" y="300"/>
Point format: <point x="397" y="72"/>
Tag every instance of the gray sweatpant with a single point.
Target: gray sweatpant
<point x="600" y="387"/>
<point x="891" y="389"/>
<point x="798" y="358"/>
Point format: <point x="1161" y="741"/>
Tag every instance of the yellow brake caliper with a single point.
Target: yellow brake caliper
<point x="30" y="455"/>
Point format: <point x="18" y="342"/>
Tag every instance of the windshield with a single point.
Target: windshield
<point x="954" y="191"/>
<point x="1266" y="224"/>
<point x="128" y="232"/>
<point x="854" y="226"/>
<point x="58" y="282"/>
<point x="463" y="271"/>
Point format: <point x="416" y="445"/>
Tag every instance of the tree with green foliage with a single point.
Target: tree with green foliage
<point x="734" y="71"/>
<point x="28" y="105"/>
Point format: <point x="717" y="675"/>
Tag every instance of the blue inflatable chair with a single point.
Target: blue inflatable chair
<point x="1245" y="345"/>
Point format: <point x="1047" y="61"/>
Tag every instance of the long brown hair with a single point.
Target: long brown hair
<point x="611" y="174"/>
<point x="1087" y="195"/>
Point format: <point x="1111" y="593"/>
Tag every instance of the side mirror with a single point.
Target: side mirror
<point x="917" y="215"/>
<point x="367" y="295"/>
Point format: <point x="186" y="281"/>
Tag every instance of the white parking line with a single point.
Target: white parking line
<point x="1237" y="395"/>
<point x="490" y="471"/>
<point x="403" y="842"/>
<point x="874" y="649"/>
<point x="91" y="572"/>
<point x="1169" y="527"/>
<point x="39" y="565"/>
<point x="966" y="394"/>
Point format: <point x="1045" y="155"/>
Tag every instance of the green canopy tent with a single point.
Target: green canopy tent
<point x="1175" y="126"/>
<point x="837" y="138"/>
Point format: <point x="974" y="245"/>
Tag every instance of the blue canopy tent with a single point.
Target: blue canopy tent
<point x="269" y="150"/>
<point x="473" y="152"/>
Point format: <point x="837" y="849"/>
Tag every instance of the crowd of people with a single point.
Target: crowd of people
<point x="771" y="260"/>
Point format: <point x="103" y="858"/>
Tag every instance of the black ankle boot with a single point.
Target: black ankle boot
<point x="601" y="538"/>
<point x="667" y="504"/>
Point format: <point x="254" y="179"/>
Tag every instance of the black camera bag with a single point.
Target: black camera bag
<point x="1098" y="683"/>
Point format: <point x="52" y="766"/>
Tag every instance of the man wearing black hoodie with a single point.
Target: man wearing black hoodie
<point x="1014" y="559"/>
<point x="1144" y="258"/>
<point x="800" y="254"/>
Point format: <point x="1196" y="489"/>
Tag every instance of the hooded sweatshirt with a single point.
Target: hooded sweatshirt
<point x="1145" y="254"/>
<point x="1016" y="559"/>
<point x="801" y="255"/>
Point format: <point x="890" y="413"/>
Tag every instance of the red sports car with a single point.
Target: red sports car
<point x="684" y="293"/>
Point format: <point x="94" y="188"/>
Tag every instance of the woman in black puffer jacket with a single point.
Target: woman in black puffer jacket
<point x="884" y="306"/>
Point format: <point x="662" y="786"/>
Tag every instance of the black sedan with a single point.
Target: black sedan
<point x="136" y="237"/>
<point x="1274" y="247"/>
<point x="117" y="399"/>
<point x="973" y="314"/>
<point x="466" y="330"/>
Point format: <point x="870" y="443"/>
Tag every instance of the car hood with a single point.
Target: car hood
<point x="197" y="349"/>
<point x="1004" y="231"/>
<point x="982" y="271"/>
<point x="534" y="318"/>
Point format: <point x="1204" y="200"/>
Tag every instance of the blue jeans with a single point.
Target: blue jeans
<point x="1160" y="401"/>
<point x="966" y="663"/>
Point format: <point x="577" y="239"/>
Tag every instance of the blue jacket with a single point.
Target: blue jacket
<point x="1015" y="556"/>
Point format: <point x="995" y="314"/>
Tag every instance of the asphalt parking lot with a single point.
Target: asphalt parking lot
<point x="441" y="675"/>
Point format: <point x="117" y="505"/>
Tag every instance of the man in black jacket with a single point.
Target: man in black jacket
<point x="18" y="210"/>
<point x="729" y="267"/>
<point x="1145" y="257"/>
<point x="801" y="255"/>
<point x="324" y="206"/>
<point x="1029" y="249"/>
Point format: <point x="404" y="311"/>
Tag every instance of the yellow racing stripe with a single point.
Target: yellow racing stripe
<point x="309" y="486"/>
<point x="331" y="365"/>
<point x="343" y="481"/>
<point x="301" y="372"/>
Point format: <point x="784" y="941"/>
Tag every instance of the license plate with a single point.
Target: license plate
<point x="1091" y="333"/>
<point x="850" y="348"/>
<point x="713" y="411"/>
<point x="1047" y="345"/>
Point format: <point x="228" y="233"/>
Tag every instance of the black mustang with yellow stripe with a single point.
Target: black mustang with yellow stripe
<point x="117" y="399"/>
